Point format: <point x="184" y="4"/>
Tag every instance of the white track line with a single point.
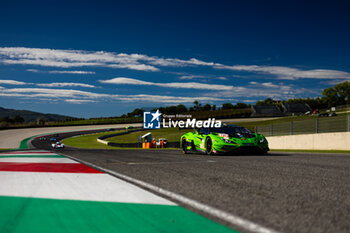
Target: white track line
<point x="23" y="153"/>
<point x="230" y="218"/>
<point x="36" y="160"/>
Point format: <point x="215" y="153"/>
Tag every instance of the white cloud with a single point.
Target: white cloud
<point x="332" y="82"/>
<point x="81" y="58"/>
<point x="270" y="84"/>
<point x="89" y="97"/>
<point x="79" y="101"/>
<point x="249" y="101"/>
<point x="72" y="58"/>
<point x="190" y="85"/>
<point x="61" y="71"/>
<point x="191" y="76"/>
<point x="64" y="85"/>
<point x="289" y="73"/>
<point x="12" y="82"/>
<point x="34" y="70"/>
<point x="49" y="93"/>
<point x="275" y="91"/>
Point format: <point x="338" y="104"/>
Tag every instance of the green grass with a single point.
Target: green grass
<point x="88" y="141"/>
<point x="315" y="151"/>
<point x="171" y="134"/>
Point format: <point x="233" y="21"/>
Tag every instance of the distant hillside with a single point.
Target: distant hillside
<point x="31" y="116"/>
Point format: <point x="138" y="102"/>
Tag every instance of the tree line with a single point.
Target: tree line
<point x="15" y="120"/>
<point x="331" y="97"/>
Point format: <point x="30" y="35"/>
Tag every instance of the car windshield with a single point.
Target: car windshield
<point x="231" y="130"/>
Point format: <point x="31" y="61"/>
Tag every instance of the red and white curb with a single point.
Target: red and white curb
<point x="41" y="191"/>
<point x="64" y="178"/>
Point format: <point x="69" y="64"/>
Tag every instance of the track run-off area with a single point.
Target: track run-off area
<point x="82" y="190"/>
<point x="45" y="192"/>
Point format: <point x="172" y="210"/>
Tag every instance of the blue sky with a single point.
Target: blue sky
<point x="105" y="58"/>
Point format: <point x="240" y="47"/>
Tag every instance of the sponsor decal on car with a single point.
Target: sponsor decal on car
<point x="223" y="135"/>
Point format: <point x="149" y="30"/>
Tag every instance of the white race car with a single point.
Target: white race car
<point x="57" y="145"/>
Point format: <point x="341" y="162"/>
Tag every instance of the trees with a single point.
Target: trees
<point x="6" y="119"/>
<point x="343" y="91"/>
<point x="337" y="95"/>
<point x="330" y="96"/>
<point x="226" y="106"/>
<point x="206" y="107"/>
<point x="236" y="106"/>
<point x="197" y="105"/>
<point x="181" y="108"/>
<point x="15" y="120"/>
<point x="18" y="119"/>
<point x="240" y="105"/>
<point x="41" y="120"/>
<point x="137" y="112"/>
<point x="267" y="101"/>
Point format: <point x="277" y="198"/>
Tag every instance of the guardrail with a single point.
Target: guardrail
<point x="340" y="123"/>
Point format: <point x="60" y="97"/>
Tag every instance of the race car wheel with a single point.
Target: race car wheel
<point x="209" y="146"/>
<point x="193" y="147"/>
<point x="184" y="146"/>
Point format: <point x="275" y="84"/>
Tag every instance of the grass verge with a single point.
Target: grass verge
<point x="171" y="134"/>
<point x="89" y="141"/>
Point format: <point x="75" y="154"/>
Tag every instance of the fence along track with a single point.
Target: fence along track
<point x="340" y="123"/>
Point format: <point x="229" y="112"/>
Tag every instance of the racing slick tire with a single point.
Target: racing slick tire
<point x="209" y="146"/>
<point x="184" y="146"/>
<point x="193" y="147"/>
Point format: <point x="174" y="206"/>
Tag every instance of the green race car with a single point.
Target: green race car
<point x="226" y="139"/>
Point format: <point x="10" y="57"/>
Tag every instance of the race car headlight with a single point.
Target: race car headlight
<point x="261" y="140"/>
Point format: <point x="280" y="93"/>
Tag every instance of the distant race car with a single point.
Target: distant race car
<point x="226" y="139"/>
<point x="57" y="145"/>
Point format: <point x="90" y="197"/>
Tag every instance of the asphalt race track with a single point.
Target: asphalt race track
<point x="286" y="192"/>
